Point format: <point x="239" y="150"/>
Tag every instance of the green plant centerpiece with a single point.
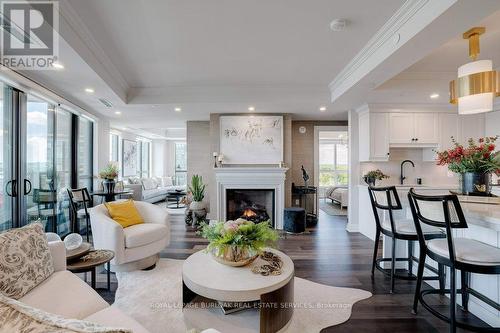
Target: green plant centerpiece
<point x="371" y="176"/>
<point x="197" y="189"/>
<point x="239" y="242"/>
<point x="108" y="176"/>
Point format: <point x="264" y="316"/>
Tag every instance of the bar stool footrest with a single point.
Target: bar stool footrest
<point x="441" y="316"/>
<point x="409" y="276"/>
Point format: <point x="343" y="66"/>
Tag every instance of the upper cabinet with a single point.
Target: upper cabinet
<point x="373" y="136"/>
<point x="378" y="131"/>
<point x="401" y="128"/>
<point x="413" y="129"/>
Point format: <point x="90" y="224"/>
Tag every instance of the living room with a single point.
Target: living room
<point x="235" y="166"/>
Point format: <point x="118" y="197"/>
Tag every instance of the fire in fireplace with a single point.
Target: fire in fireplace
<point x="256" y="205"/>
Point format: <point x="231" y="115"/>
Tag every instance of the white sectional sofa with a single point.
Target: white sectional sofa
<point x="65" y="294"/>
<point x="151" y="189"/>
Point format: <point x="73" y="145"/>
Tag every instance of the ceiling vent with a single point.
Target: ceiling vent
<point x="106" y="103"/>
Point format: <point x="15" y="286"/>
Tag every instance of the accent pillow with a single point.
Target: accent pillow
<point x="134" y="180"/>
<point x="167" y="181"/>
<point x="25" y="260"/>
<point x="124" y="213"/>
<point x="19" y="317"/>
<point x="149" y="183"/>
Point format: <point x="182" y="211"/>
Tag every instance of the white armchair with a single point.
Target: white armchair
<point x="137" y="246"/>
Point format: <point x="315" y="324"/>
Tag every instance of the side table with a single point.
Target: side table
<point x="90" y="261"/>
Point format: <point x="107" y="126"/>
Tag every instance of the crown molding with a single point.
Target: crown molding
<point x="74" y="31"/>
<point x="408" y="20"/>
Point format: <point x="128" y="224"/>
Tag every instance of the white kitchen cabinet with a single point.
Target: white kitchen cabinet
<point x="426" y="128"/>
<point x="401" y="128"/>
<point x="413" y="129"/>
<point x="373" y="136"/>
<point x="471" y="126"/>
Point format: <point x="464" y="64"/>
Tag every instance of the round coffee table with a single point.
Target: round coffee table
<point x="90" y="261"/>
<point x="177" y="195"/>
<point x="203" y="276"/>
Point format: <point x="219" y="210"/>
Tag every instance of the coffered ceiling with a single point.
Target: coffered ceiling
<point x="148" y="57"/>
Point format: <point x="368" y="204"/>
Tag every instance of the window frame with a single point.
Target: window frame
<point x="335" y="172"/>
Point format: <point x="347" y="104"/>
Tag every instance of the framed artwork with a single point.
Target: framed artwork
<point x="129" y="158"/>
<point x="251" y="139"/>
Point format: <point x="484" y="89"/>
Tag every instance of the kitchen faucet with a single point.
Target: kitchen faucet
<point x="402" y="177"/>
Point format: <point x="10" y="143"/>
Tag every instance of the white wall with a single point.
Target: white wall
<point x="353" y="211"/>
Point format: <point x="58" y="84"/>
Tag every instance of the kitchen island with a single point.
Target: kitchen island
<point x="483" y="225"/>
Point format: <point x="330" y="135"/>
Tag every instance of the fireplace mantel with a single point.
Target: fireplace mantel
<point x="251" y="178"/>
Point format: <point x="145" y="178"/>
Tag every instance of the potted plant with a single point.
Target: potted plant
<point x="371" y="176"/>
<point x="238" y="243"/>
<point x="473" y="163"/>
<point x="108" y="175"/>
<point x="197" y="189"/>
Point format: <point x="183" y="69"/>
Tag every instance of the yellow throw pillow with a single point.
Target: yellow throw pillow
<point x="124" y="212"/>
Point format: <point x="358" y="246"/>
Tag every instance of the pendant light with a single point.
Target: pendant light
<point x="477" y="83"/>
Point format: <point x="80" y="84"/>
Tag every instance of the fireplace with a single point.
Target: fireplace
<point x="263" y="181"/>
<point x="256" y="205"/>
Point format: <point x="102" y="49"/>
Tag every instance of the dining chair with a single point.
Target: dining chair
<point x="457" y="253"/>
<point x="80" y="203"/>
<point x="385" y="203"/>
<point x="46" y="201"/>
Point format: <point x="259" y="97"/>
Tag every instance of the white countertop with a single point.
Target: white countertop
<point x="420" y="187"/>
<point x="483" y="215"/>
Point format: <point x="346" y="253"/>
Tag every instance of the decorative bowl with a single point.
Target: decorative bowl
<point x="73" y="241"/>
<point x="234" y="256"/>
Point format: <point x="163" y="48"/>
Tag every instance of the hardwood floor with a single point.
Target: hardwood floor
<point x="330" y="255"/>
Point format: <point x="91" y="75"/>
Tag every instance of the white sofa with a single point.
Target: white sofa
<point x="65" y="294"/>
<point x="137" y="246"/>
<point x="151" y="189"/>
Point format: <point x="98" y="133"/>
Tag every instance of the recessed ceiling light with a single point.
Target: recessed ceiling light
<point x="118" y="112"/>
<point x="338" y="24"/>
<point x="58" y="65"/>
<point x="322" y="108"/>
<point x="434" y="96"/>
<point x="178" y="109"/>
<point x="251" y="108"/>
<point x="89" y="90"/>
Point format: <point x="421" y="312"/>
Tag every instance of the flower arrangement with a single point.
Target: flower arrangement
<point x="110" y="172"/>
<point x="479" y="157"/>
<point x="371" y="176"/>
<point x="238" y="242"/>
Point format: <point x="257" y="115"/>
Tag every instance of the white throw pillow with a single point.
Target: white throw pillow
<point x="24" y="318"/>
<point x="25" y="260"/>
<point x="134" y="180"/>
<point x="149" y="184"/>
<point x="167" y="181"/>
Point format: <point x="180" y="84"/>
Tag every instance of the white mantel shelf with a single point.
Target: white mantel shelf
<point x="250" y="170"/>
<point x="251" y="178"/>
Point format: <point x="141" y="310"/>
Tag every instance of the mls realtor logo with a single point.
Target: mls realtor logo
<point x="29" y="39"/>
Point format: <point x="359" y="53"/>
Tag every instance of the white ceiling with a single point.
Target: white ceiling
<point x="148" y="57"/>
<point x="412" y="88"/>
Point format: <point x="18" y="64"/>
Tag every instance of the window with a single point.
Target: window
<point x="143" y="158"/>
<point x="333" y="156"/>
<point x="85" y="161"/>
<point x="63" y="169"/>
<point x="114" y="152"/>
<point x="145" y="154"/>
<point x="180" y="163"/>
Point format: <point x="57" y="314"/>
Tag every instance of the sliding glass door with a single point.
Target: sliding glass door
<point x="6" y="159"/>
<point x="37" y="168"/>
<point x="44" y="150"/>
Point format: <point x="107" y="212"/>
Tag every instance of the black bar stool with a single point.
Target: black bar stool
<point x="466" y="255"/>
<point x="386" y="199"/>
